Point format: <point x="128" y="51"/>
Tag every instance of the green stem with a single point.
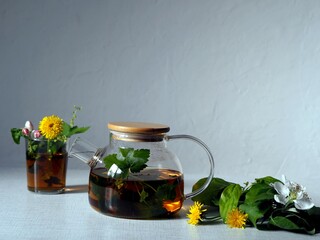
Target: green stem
<point x="144" y="201"/>
<point x="211" y="219"/>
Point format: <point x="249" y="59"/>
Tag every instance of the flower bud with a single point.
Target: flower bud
<point x="36" y="134"/>
<point x="25" y="131"/>
<point x="28" y="125"/>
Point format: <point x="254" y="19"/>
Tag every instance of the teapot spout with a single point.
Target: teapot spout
<point x="86" y="152"/>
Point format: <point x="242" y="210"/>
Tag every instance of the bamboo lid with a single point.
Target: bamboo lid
<point x="138" y="127"/>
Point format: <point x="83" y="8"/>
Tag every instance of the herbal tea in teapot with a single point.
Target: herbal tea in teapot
<point x="149" y="193"/>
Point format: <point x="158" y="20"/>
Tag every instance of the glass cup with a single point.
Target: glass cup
<point x="46" y="166"/>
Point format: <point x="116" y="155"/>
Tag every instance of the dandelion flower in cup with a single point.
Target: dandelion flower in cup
<point x="51" y="126"/>
<point x="236" y="218"/>
<point x="195" y="212"/>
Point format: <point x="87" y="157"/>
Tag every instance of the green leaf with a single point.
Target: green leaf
<point x="113" y="159"/>
<point x="128" y="160"/>
<point x="16" y="134"/>
<point x="138" y="160"/>
<point x="110" y="160"/>
<point x="77" y="130"/>
<point x="211" y="195"/>
<point x="229" y="199"/>
<point x="68" y="131"/>
<point x="292" y="221"/>
<point x="284" y="223"/>
<point x="141" y="154"/>
<point x="259" y="192"/>
<point x="258" y="199"/>
<point x="267" y="180"/>
<point x="253" y="211"/>
<point x="143" y="196"/>
<point x="314" y="217"/>
<point x="124" y="152"/>
<point x="314" y="211"/>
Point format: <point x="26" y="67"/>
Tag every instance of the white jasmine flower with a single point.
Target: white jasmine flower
<point x="292" y="192"/>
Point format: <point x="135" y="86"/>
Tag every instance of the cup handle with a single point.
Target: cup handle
<point x="211" y="161"/>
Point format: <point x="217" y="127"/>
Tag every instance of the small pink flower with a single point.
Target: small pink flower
<point x="36" y="134"/>
<point x="25" y="131"/>
<point x="28" y="125"/>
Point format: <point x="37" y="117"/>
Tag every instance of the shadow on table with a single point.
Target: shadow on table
<point x="76" y="189"/>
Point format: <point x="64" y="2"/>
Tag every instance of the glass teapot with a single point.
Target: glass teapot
<point x="136" y="176"/>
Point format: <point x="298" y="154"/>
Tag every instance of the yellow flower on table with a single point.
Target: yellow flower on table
<point x="195" y="212"/>
<point x="51" y="126"/>
<point x="236" y="218"/>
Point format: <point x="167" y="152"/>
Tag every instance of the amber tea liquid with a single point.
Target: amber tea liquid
<point x="46" y="172"/>
<point x="150" y="193"/>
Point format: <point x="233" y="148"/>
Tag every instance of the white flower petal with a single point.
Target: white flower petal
<point x="303" y="204"/>
<point x="300" y="195"/>
<point x="28" y="125"/>
<point x="280" y="199"/>
<point x="281" y="189"/>
<point x="291" y="185"/>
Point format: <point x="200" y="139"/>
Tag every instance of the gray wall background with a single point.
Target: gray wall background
<point x="243" y="76"/>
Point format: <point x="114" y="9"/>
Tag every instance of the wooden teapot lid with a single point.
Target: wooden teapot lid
<point x="138" y="127"/>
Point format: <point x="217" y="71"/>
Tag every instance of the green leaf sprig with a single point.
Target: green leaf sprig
<point x="71" y="129"/>
<point x="128" y="160"/>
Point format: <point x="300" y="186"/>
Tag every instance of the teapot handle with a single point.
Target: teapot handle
<point x="211" y="161"/>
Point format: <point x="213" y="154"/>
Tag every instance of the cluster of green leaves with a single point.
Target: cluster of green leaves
<point x="257" y="200"/>
<point x="128" y="160"/>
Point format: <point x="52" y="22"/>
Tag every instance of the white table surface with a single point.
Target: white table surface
<point x="26" y="215"/>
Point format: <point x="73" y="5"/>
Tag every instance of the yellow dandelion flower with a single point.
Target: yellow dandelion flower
<point x="236" y="218"/>
<point x="51" y="126"/>
<point x="195" y="212"/>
